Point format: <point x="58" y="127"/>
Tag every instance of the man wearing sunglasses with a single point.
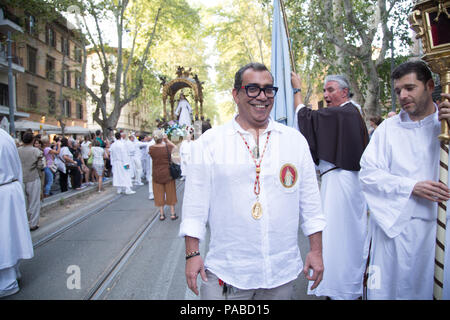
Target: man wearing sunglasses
<point x="337" y="137"/>
<point x="247" y="182"/>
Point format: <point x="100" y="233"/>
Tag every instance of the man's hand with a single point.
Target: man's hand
<point x="314" y="260"/>
<point x="444" y="107"/>
<point x="194" y="266"/>
<point x="295" y="80"/>
<point x="431" y="190"/>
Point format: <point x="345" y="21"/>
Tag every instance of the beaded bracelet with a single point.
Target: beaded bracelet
<point x="192" y="254"/>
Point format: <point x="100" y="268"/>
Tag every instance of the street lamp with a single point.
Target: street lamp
<point x="430" y="19"/>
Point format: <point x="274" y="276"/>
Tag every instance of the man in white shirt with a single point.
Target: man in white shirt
<point x="399" y="176"/>
<point x="253" y="188"/>
<point x="337" y="136"/>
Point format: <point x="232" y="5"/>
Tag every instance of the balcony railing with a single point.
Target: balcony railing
<point x="4" y="54"/>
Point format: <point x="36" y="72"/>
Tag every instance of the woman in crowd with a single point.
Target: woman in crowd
<point x="85" y="147"/>
<point x="49" y="155"/>
<point x="70" y="167"/>
<point x="98" y="162"/>
<point x="163" y="185"/>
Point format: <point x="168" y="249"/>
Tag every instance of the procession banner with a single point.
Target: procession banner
<point x="283" y="109"/>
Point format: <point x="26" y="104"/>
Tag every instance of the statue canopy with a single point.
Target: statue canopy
<point x="185" y="79"/>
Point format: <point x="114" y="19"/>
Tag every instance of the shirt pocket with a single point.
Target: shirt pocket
<point x="286" y="176"/>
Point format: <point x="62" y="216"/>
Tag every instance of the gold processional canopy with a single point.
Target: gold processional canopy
<point x="185" y="79"/>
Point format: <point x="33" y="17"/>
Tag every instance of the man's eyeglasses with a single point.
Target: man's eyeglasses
<point x="253" y="91"/>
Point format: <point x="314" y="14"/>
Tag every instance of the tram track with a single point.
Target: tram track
<point x="106" y="278"/>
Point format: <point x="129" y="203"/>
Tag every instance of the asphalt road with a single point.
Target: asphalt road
<point x="120" y="251"/>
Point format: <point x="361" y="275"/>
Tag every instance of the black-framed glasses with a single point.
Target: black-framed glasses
<point x="253" y="91"/>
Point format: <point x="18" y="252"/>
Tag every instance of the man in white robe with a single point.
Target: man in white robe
<point x="135" y="155"/>
<point x="15" y="238"/>
<point x="120" y="162"/>
<point x="184" y="111"/>
<point x="337" y="137"/>
<point x="399" y="176"/>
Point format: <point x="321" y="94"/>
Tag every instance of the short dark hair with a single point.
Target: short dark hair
<point x="418" y="67"/>
<point x="256" y="66"/>
<point x="64" y="142"/>
<point x="117" y="135"/>
<point x="27" y="137"/>
<point x="376" y="119"/>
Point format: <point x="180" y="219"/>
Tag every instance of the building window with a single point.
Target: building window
<point x="32" y="57"/>
<point x="79" y="110"/>
<point x="51" y="97"/>
<point x="67" y="79"/>
<point x="78" y="55"/>
<point x="30" y="24"/>
<point x="77" y="80"/>
<point x="65" y="46"/>
<point x="50" y="37"/>
<point x="4" y="95"/>
<point x="32" y="96"/>
<point x="67" y="112"/>
<point x="50" y="68"/>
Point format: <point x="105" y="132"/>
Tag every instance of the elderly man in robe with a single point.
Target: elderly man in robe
<point x="399" y="176"/>
<point x="15" y="239"/>
<point x="120" y="162"/>
<point x="337" y="136"/>
<point x="184" y="111"/>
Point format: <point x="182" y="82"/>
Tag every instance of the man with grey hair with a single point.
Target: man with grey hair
<point x="337" y="137"/>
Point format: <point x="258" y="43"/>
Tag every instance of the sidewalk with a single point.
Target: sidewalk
<point x="60" y="198"/>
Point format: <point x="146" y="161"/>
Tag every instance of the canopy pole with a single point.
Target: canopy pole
<point x="291" y="54"/>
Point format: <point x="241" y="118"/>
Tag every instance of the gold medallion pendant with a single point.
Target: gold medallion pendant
<point x="257" y="211"/>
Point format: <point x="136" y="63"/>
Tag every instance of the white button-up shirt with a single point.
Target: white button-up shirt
<point x="244" y="252"/>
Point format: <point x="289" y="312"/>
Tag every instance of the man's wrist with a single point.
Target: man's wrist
<point x="297" y="90"/>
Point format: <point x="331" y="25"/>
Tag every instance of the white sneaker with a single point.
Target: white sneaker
<point x="130" y="192"/>
<point x="151" y="196"/>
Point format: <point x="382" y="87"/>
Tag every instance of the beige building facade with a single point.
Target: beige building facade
<point x="49" y="88"/>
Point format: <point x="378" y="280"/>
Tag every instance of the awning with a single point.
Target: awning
<point x="23" y="125"/>
<point x="71" y="130"/>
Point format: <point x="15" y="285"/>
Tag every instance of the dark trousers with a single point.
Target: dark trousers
<point x="76" y="179"/>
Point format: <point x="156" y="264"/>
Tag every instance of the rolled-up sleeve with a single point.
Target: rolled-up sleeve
<point x="196" y="201"/>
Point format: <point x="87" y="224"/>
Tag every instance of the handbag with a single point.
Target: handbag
<point x="174" y="169"/>
<point x="90" y="160"/>
<point x="53" y="167"/>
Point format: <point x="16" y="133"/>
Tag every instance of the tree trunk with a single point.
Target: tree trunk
<point x="372" y="101"/>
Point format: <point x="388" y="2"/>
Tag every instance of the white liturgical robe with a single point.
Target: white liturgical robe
<point x="120" y="159"/>
<point x="15" y="238"/>
<point x="402" y="227"/>
<point x="184" y="110"/>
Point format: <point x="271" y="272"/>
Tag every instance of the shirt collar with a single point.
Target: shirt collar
<point x="405" y="120"/>
<point x="234" y="127"/>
